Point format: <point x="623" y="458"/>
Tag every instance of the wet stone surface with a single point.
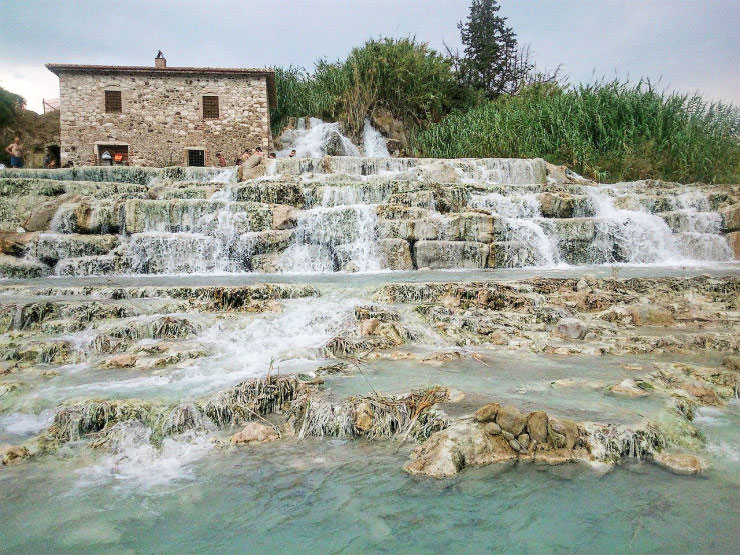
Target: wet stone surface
<point x="141" y="374"/>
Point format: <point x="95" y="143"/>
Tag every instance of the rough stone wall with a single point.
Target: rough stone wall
<point x="162" y="116"/>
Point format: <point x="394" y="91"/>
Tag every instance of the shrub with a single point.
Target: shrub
<point x="607" y="131"/>
<point x="408" y="78"/>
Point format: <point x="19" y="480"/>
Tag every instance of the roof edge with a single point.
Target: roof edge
<point x="268" y="73"/>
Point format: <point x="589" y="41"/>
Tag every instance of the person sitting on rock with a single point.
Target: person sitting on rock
<point x="245" y="155"/>
<point x="255" y="159"/>
<point x="247" y="168"/>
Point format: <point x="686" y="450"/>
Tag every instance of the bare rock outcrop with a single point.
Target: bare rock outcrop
<point x="254" y="432"/>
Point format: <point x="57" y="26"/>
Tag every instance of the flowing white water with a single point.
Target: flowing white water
<point x="522" y="226"/>
<point x="332" y="237"/>
<point x="319" y="137"/>
<point x="373" y="143"/>
<point x="226" y="175"/>
<point x="336" y="201"/>
<point x="640" y="237"/>
<point x="176" y="253"/>
<point x="290" y="340"/>
<point x="314" y="141"/>
<point x="135" y="461"/>
<point x="24" y="424"/>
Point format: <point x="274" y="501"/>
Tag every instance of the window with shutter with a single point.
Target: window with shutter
<point x="196" y="158"/>
<point x="210" y="107"/>
<point x="113" y="102"/>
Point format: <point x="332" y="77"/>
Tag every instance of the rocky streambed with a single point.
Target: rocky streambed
<point x="355" y="354"/>
<point x="168" y="343"/>
<point x="134" y="389"/>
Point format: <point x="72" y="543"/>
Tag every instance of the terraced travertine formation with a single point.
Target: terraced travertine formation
<point x="124" y="366"/>
<point x="102" y="363"/>
<point x="352" y="214"/>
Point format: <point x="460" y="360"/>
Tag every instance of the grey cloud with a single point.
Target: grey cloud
<point x="692" y="45"/>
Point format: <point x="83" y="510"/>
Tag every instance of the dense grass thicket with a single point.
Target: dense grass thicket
<point x="406" y="77"/>
<point x="608" y="131"/>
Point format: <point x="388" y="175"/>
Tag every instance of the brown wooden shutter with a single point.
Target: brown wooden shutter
<point x="210" y="107"/>
<point x="113" y="102"/>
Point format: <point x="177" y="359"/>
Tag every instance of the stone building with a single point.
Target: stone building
<point x="162" y="116"/>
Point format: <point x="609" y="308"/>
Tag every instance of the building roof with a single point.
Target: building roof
<point x="258" y="72"/>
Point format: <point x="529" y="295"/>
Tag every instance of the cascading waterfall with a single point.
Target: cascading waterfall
<point x="213" y="241"/>
<point x="314" y="141"/>
<point x="373" y="142"/>
<point x="522" y="225"/>
<point x="629" y="235"/>
<point x="319" y="138"/>
<point x="640" y="237"/>
<point x="699" y="228"/>
<point x="347" y="213"/>
<point x="226" y="175"/>
<point x="328" y="238"/>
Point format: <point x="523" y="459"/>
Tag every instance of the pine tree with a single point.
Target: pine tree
<point x="490" y="62"/>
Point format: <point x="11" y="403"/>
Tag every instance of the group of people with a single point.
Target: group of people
<point x="15" y="149"/>
<point x="248" y="154"/>
<point x="249" y="157"/>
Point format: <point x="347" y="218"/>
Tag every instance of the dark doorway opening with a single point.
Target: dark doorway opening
<point x="53" y="152"/>
<point x="196" y="157"/>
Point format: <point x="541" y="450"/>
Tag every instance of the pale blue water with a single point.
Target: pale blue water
<point x="334" y="496"/>
<point x="321" y="496"/>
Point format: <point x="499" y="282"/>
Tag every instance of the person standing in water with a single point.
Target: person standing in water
<point x="221" y="160"/>
<point x="15" y="149"/>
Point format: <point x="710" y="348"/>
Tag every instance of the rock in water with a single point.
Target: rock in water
<point x="15" y="244"/>
<point x="254" y="432"/>
<point x="523" y="440"/>
<point x="284" y="216"/>
<point x="628" y="388"/>
<point x="571" y="328"/>
<point x="554" y="457"/>
<point x="368" y="327"/>
<point x="363" y="417"/>
<point x="335" y="145"/>
<point x="465" y="443"/>
<point x="40" y="218"/>
<point x="680" y="463"/>
<point x="487" y="413"/>
<point x="562" y="433"/>
<point x="650" y="315"/>
<point x="537" y="426"/>
<point x="492" y="429"/>
<point x="13" y="454"/>
<point x="511" y="420"/>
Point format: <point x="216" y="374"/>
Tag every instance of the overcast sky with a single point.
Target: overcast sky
<point x="688" y="45"/>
